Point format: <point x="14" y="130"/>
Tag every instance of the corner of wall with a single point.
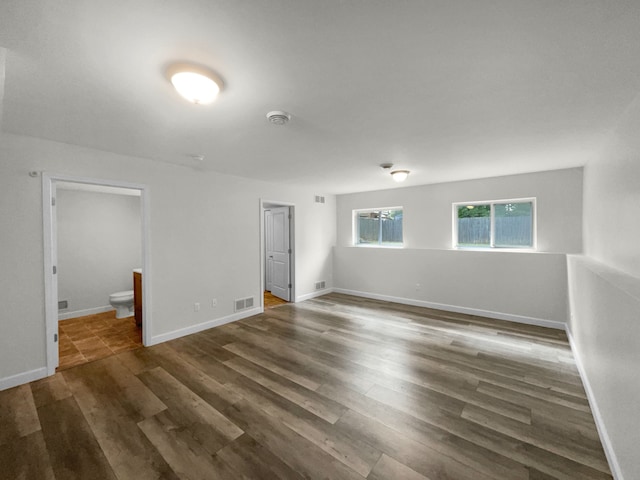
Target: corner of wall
<point x="604" y="332"/>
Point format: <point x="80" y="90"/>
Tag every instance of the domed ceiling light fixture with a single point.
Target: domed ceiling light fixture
<point x="398" y="175"/>
<point x="195" y="83"/>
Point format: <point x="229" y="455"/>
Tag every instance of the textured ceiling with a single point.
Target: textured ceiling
<point x="448" y="89"/>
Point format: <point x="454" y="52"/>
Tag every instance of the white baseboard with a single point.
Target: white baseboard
<point x="22" y="378"/>
<point x="181" y="332"/>
<point x="317" y="293"/>
<point x="540" y="322"/>
<point x="597" y="416"/>
<point x="82" y="313"/>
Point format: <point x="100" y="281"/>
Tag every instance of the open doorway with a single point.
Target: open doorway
<point x="278" y="253"/>
<point x="94" y="257"/>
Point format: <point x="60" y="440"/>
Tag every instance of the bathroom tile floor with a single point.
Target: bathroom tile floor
<point x="89" y="338"/>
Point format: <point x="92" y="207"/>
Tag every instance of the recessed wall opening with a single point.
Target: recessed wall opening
<point x="96" y="256"/>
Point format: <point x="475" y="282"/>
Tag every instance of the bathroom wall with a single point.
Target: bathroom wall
<point x="99" y="243"/>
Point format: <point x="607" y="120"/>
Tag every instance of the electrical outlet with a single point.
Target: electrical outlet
<point x="196" y="307"/>
<point x="214" y="303"/>
<point x="417" y="287"/>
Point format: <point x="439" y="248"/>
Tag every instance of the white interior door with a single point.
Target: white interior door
<point x="280" y="253"/>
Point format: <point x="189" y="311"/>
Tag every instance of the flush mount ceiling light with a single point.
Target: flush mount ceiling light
<point x="278" y="117"/>
<point x="398" y="175"/>
<point x="195" y="83"/>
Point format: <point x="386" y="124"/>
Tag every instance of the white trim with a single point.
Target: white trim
<point x="373" y="209"/>
<point x="50" y="286"/>
<point x="378" y="245"/>
<point x="94" y="181"/>
<point x="264" y="205"/>
<point x="317" y="293"/>
<point x="496" y="250"/>
<point x="22" y="378"/>
<point x="540" y="322"/>
<point x="181" y="332"/>
<point x="147" y="270"/>
<point x="82" y="313"/>
<point x="616" y="471"/>
<point x="50" y="252"/>
<point x="355" y="228"/>
<point x="492" y="203"/>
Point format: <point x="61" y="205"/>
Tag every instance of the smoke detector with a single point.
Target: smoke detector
<point x="278" y="117"/>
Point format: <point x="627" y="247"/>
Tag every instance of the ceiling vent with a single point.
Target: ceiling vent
<point x="278" y="118"/>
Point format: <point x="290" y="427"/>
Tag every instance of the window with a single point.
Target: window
<point x="382" y="226"/>
<point x="495" y="224"/>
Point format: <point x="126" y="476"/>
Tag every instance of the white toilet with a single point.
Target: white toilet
<point x="123" y="303"/>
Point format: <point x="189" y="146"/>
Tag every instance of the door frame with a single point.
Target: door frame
<point x="265" y="205"/>
<point x="49" y="222"/>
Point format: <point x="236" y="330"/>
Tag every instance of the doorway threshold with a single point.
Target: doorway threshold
<point x="271" y="301"/>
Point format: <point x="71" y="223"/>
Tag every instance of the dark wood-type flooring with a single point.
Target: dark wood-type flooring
<point x="332" y="388"/>
<point x="92" y="337"/>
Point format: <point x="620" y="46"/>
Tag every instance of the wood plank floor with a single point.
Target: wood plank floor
<point x="336" y="387"/>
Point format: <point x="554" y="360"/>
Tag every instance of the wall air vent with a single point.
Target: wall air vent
<point x="319" y="199"/>
<point x="240" y="304"/>
<point x="243" y="303"/>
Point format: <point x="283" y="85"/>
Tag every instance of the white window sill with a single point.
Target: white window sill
<point x="496" y="249"/>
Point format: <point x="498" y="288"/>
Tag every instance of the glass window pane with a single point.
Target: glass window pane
<point x="513" y="224"/>
<point x="474" y="225"/>
<point x="368" y="227"/>
<point x="391" y="227"/>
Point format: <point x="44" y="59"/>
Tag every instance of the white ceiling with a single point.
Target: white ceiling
<point x="450" y="89"/>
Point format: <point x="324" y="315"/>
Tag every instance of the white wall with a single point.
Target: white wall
<point x="605" y="330"/>
<point x="194" y="258"/>
<point x="428" y="217"/>
<point x="99" y="244"/>
<point x="507" y="286"/>
<point x="605" y="291"/>
<point x="501" y="284"/>
<point x="612" y="196"/>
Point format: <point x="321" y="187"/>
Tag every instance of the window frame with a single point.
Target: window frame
<point x="356" y="229"/>
<point x="492" y="246"/>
